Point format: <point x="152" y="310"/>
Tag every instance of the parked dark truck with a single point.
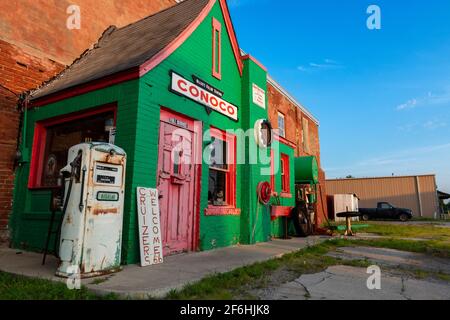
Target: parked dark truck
<point x="385" y="210"/>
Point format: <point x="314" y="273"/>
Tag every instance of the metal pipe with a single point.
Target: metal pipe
<point x="418" y="196"/>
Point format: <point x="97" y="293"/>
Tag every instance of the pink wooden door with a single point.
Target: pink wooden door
<point x="176" y="187"/>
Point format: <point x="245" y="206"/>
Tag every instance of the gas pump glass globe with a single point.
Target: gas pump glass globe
<point x="109" y="124"/>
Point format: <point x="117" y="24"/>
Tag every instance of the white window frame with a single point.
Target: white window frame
<point x="282" y="131"/>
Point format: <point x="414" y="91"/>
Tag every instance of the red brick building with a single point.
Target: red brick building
<point x="301" y="130"/>
<point x="39" y="45"/>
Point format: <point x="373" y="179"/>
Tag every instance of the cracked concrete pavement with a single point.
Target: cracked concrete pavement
<point x="394" y="258"/>
<point x="350" y="283"/>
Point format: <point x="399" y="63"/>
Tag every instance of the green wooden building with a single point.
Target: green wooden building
<point x="175" y="78"/>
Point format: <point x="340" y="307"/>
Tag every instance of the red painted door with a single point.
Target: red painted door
<point x="176" y="184"/>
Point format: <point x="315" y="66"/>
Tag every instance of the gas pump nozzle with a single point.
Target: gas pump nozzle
<point x="65" y="172"/>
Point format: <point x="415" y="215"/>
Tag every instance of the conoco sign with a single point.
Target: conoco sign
<point x="194" y="92"/>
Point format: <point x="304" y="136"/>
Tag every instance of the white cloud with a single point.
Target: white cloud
<point x="240" y="3"/>
<point x="434" y="124"/>
<point x="430" y="99"/>
<point x="408" y="105"/>
<point x="327" y="64"/>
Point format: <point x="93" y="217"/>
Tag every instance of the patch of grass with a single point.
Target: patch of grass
<point x="431" y="247"/>
<point x="442" y="276"/>
<point x="223" y="286"/>
<point x="419" y="274"/>
<point x="14" y="287"/>
<point x="427" y="220"/>
<point x="423" y="231"/>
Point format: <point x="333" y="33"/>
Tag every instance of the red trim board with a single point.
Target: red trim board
<point x="217" y="45"/>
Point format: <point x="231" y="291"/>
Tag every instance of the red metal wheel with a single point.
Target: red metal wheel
<point x="264" y="192"/>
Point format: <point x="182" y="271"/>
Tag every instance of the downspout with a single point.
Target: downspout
<point x="440" y="210"/>
<point x="418" y="196"/>
<point x="24" y="127"/>
<point x="22" y="155"/>
<point x="19" y="159"/>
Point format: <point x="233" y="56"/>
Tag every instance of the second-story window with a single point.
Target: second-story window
<point x="217" y="49"/>
<point x="281" y="125"/>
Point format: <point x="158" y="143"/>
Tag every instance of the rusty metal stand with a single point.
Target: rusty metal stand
<point x="54" y="207"/>
<point x="286" y="229"/>
<point x="348" y="215"/>
<point x="348" y="230"/>
<point x="49" y="234"/>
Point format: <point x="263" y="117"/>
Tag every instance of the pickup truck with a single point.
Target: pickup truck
<point x="385" y="210"/>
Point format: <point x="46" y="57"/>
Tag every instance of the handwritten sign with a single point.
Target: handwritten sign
<point x="259" y="96"/>
<point x="150" y="240"/>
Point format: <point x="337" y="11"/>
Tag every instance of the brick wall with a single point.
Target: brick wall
<point x="35" y="44"/>
<point x="293" y="118"/>
<point x="7" y="149"/>
<point x="40" y="25"/>
<point x="19" y="71"/>
<point x="294" y="133"/>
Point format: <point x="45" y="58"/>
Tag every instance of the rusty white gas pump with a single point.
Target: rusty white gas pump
<point x="91" y="229"/>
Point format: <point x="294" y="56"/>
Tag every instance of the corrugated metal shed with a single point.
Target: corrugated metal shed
<point x="417" y="193"/>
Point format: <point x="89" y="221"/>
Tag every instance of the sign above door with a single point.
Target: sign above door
<point x="202" y="96"/>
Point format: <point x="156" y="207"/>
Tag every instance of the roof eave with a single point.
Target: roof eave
<point x="93" y="85"/>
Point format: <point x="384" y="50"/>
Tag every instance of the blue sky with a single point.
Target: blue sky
<point x="382" y="96"/>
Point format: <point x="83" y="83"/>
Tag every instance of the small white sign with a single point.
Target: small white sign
<point x="200" y="95"/>
<point x="150" y="240"/>
<point x="259" y="96"/>
<point x="107" y="174"/>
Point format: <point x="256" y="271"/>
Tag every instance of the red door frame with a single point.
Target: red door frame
<point x="197" y="127"/>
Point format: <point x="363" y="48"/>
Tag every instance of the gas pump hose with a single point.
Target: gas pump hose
<point x="63" y="215"/>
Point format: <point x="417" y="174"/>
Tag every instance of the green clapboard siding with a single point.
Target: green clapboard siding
<point x="278" y="224"/>
<point x="138" y="107"/>
<point x="30" y="218"/>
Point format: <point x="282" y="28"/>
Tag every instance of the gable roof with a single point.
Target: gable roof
<point x="139" y="46"/>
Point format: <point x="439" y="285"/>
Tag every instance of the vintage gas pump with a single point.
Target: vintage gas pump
<point x="91" y="229"/>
